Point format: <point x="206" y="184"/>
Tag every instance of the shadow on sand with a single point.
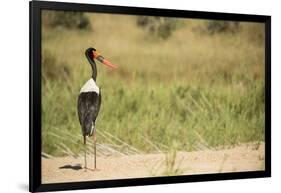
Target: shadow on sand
<point x="73" y="167"/>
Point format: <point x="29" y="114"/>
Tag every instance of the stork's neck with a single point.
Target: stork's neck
<point x="94" y="67"/>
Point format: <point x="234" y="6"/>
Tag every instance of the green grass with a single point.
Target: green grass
<point x="190" y="89"/>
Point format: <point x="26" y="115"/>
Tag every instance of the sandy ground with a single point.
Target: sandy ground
<point x="68" y="169"/>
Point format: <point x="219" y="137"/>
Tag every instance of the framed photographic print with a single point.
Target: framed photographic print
<point x="125" y="96"/>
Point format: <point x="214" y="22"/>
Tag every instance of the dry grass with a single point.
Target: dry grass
<point x="194" y="89"/>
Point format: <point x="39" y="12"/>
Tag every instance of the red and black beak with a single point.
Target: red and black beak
<point x="101" y="59"/>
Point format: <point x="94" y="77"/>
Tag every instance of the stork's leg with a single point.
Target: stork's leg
<point x="85" y="152"/>
<point x="95" y="148"/>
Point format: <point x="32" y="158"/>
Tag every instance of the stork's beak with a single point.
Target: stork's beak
<point x="101" y="59"/>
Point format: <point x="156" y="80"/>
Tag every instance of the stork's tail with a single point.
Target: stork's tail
<point x="89" y="129"/>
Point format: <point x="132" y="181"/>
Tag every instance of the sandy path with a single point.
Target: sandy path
<point x="68" y="169"/>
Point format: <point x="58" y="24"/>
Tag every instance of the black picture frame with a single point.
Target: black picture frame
<point x="35" y="8"/>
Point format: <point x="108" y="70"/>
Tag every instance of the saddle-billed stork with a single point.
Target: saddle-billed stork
<point x="89" y="100"/>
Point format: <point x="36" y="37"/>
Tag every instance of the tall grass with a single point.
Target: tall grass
<point x="194" y="89"/>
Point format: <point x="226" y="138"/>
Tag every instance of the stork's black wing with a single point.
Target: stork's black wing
<point x="88" y="109"/>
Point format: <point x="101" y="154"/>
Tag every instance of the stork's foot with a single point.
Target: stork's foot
<point x="96" y="169"/>
<point x="91" y="169"/>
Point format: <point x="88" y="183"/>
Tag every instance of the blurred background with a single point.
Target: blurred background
<point x="181" y="84"/>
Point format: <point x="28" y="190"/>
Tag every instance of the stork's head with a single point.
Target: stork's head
<point x="93" y="54"/>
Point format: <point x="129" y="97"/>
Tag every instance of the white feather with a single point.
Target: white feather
<point x="90" y="86"/>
